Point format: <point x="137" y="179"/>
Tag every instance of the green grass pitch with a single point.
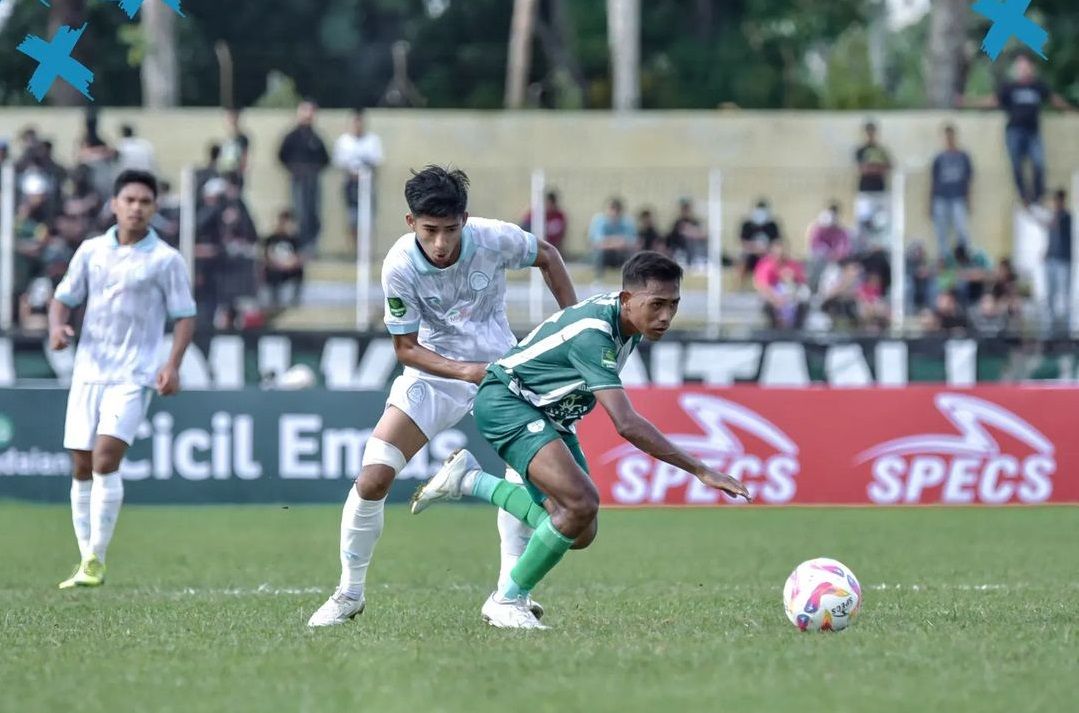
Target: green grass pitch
<point x="205" y="610"/>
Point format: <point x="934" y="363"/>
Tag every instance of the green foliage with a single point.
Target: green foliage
<point x="850" y="82"/>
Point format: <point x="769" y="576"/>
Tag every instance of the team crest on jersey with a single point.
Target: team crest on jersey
<point x="479" y="281"/>
<point x="397" y="306"/>
<point x="608" y="359"/>
<point x="536" y="426"/>
<point x="416" y="394"/>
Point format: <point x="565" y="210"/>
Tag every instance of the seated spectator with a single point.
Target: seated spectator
<point x="947" y="316"/>
<point x="828" y="241"/>
<point x="34" y="305"/>
<point x="921" y="278"/>
<point x="554" y="221"/>
<point x="612" y="236"/>
<point x="83" y="199"/>
<point x="687" y="239"/>
<point x="647" y="233"/>
<point x="968" y="271"/>
<point x="873" y="311"/>
<point x="838" y="290"/>
<point x="876" y="261"/>
<point x="759" y="231"/>
<point x="283" y="260"/>
<point x="781" y="283"/>
<point x="990" y="317"/>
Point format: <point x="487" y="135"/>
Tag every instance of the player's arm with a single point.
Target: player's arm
<point x="70" y="293"/>
<point x="640" y="432"/>
<point x="60" y="332"/>
<point x="168" y="379"/>
<point x="549" y="262"/>
<point x="411" y="353"/>
<point x="180" y="306"/>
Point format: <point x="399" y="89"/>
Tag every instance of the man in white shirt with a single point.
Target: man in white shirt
<point x="357" y="149"/>
<point x="134" y="153"/>
<point x="445" y="287"/>
<point x="131" y="282"/>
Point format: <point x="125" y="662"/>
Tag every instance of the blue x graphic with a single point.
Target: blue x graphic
<point x="1009" y="20"/>
<point x="131" y="7"/>
<point x="55" y="61"/>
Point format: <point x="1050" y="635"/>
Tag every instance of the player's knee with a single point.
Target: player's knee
<point x="584" y="506"/>
<point x="587" y="537"/>
<point x="382" y="461"/>
<point x="105" y="462"/>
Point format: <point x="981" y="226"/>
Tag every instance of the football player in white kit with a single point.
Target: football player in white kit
<point x="445" y="288"/>
<point x="131" y="282"/>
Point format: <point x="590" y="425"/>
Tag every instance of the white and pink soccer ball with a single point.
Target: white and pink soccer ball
<point x="822" y="595"/>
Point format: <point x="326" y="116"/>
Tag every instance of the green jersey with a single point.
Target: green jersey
<point x="566" y="359"/>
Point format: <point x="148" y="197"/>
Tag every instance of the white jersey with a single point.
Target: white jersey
<point x="129" y="291"/>
<point x="459" y="311"/>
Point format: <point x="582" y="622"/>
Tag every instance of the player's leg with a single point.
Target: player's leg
<point x="513" y="533"/>
<point x="80" y="424"/>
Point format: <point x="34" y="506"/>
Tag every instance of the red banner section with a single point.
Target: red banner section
<point x="988" y="445"/>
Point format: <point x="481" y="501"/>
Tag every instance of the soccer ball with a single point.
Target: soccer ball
<point x="822" y="595"/>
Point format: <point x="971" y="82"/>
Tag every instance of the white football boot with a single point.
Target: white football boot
<point x="510" y="613"/>
<point x="446" y="483"/>
<point x="338" y="609"/>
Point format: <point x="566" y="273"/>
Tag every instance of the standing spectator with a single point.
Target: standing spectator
<point x="236" y="147"/>
<point x="283" y="260"/>
<point x="304" y="155"/>
<point x="554" y="221"/>
<point x="134" y="153"/>
<point x="612" y="236"/>
<point x="100" y="158"/>
<point x="828" y="240"/>
<point x="688" y="237"/>
<point x="1058" y="264"/>
<point x="353" y="150"/>
<point x="1022" y="99"/>
<point x="759" y="231"/>
<point x="950" y="194"/>
<point x="210" y="170"/>
<point x="647" y="235"/>
<point x="166" y="220"/>
<point x="781" y="283"/>
<point x="871" y="208"/>
<point x="5" y="149"/>
<point x="208" y="252"/>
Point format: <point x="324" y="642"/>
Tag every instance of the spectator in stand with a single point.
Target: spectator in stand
<point x="56" y="174"/>
<point x="921" y="278"/>
<point x="134" y="152"/>
<point x="989" y="318"/>
<point x="613" y="237"/>
<point x="208" y="252"/>
<point x="968" y="271"/>
<point x="950" y="193"/>
<point x="208" y="171"/>
<point x="828" y="240"/>
<point x="781" y="283"/>
<point x="283" y="261"/>
<point x="947" y="316"/>
<point x="554" y="221"/>
<point x="1058" y="265"/>
<point x="304" y="156"/>
<point x="646" y="232"/>
<point x="356" y="149"/>
<point x="871" y="207"/>
<point x="839" y="286"/>
<point x="759" y="231"/>
<point x="5" y="150"/>
<point x="688" y="238"/>
<point x="873" y="311"/>
<point x="98" y="157"/>
<point x="235" y="149"/>
<point x="166" y="220"/>
<point x="1023" y="99"/>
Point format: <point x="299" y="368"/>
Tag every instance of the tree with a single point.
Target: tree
<point x="73" y="14"/>
<point x="624" y="39"/>
<point x="160" y="68"/>
<point x="947" y="61"/>
<point x="520" y="52"/>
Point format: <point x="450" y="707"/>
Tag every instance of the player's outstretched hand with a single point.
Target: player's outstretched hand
<point x="60" y="337"/>
<point x="724" y="482"/>
<point x="168" y="381"/>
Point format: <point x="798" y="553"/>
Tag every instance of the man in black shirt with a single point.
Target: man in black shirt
<point x="1022" y="99"/>
<point x="1058" y="264"/>
<point x="759" y="231"/>
<point x="871" y="207"/>
<point x="304" y="154"/>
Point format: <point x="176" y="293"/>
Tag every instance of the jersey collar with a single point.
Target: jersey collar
<point x="424" y="266"/>
<point x="146" y="244"/>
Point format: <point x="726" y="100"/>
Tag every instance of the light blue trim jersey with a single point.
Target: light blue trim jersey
<point x="130" y="292"/>
<point x="458" y="311"/>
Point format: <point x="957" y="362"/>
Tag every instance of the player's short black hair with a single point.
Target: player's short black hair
<point x="437" y="192"/>
<point x="132" y="176"/>
<point x="649" y="265"/>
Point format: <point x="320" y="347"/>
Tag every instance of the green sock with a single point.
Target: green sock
<point x="514" y="499"/>
<point x="544" y="551"/>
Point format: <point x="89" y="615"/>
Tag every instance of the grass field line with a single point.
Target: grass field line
<point x="266" y="589"/>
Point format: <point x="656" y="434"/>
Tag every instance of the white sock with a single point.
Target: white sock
<point x="515" y="535"/>
<point x="80" y="514"/>
<point x="105" y="499"/>
<point x="361" y="526"/>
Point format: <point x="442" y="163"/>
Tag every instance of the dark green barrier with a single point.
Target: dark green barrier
<point x="211" y="447"/>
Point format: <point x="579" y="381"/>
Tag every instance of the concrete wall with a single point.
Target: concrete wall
<point x="797" y="159"/>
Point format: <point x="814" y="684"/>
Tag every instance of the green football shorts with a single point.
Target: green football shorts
<point x="518" y="430"/>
